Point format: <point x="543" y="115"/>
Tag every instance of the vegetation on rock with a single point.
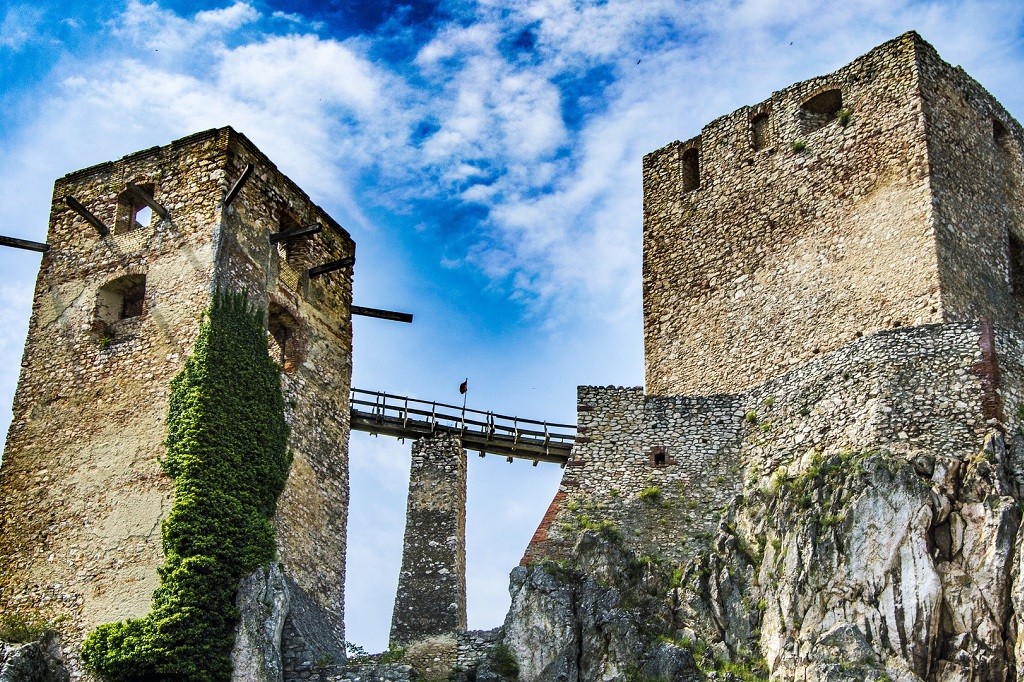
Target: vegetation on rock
<point x="227" y="453"/>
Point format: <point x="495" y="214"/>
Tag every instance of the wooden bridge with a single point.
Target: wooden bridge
<point x="393" y="415"/>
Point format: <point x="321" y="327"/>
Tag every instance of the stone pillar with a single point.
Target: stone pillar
<point x="430" y="607"/>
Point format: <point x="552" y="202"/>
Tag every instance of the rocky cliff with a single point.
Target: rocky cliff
<point x="856" y="566"/>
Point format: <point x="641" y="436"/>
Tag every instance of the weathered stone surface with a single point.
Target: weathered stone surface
<point x="375" y="673"/>
<point x="431" y="599"/>
<point x="762" y="251"/>
<point x="263" y="603"/>
<point x="32" y="662"/>
<point x="598" y="617"/>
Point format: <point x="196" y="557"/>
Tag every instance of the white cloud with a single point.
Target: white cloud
<point x="20" y="26"/>
<point x="150" y="25"/>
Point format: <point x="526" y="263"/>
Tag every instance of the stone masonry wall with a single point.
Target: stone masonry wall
<point x="317" y="364"/>
<point x="82" y="493"/>
<point x="917" y="392"/>
<point x="779" y="252"/>
<point x="430" y="605"/>
<point x="977" y="182"/>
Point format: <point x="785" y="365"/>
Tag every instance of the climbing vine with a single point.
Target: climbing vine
<point x="227" y="453"/>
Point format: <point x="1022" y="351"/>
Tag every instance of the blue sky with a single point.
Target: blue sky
<point x="484" y="155"/>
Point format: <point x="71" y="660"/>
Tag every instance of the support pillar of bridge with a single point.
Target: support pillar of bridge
<point x="430" y="606"/>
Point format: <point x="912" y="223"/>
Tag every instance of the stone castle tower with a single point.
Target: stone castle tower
<point x="884" y="195"/>
<point x="137" y="247"/>
<point x="837" y="268"/>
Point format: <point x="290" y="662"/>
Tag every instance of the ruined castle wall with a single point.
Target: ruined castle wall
<point x="430" y="605"/>
<point x="770" y="255"/>
<point x="82" y="492"/>
<point x="918" y="392"/>
<point x="317" y="369"/>
<point x="977" y="178"/>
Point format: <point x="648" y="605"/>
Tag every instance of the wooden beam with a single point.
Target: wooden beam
<point x="381" y="314"/>
<point x="237" y="187"/>
<point x="24" y="244"/>
<point x="288" y="236"/>
<point x="332" y="266"/>
<point x="140" y="195"/>
<point x="100" y="226"/>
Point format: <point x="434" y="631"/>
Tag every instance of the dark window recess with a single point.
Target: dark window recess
<point x="295" y="251"/>
<point x="760" y="132"/>
<point x="134" y="297"/>
<point x="131" y="212"/>
<point x="659" y="455"/>
<point x="120" y="299"/>
<point x="283" y="338"/>
<point x="690" y="169"/>
<point x="820" y="110"/>
<point x="1000" y="134"/>
<point x="1016" y="264"/>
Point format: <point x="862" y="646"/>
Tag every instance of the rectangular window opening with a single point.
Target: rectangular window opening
<point x="1016" y="264"/>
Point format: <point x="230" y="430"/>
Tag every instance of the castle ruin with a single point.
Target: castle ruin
<point x="137" y="248"/>
<point x="838" y="268"/>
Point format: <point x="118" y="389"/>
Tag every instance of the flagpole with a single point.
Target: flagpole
<point x="465" y="395"/>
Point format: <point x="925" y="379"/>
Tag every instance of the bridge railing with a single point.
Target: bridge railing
<point x="392" y="407"/>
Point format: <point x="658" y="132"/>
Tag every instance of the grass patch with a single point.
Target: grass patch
<point x="18" y="629"/>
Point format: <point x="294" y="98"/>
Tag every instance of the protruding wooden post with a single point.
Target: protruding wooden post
<point x="237" y="187"/>
<point x="288" y="236"/>
<point x="392" y="315"/>
<point x="24" y="244"/>
<point x="332" y="266"/>
<point x="75" y="206"/>
<point x="141" y="195"/>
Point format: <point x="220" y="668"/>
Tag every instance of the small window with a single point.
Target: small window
<point x="1016" y="264"/>
<point x="659" y="455"/>
<point x="690" y="168"/>
<point x="283" y="338"/>
<point x="760" y="132"/>
<point x="1000" y="134"/>
<point x="820" y="110"/>
<point x="132" y="212"/>
<point x="121" y="299"/>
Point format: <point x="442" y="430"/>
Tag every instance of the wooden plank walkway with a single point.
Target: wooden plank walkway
<point x="402" y="417"/>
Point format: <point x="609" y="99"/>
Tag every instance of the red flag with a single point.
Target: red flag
<point x="464" y="386"/>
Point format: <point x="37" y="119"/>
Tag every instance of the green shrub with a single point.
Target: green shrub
<point x="843" y="116"/>
<point x="227" y="453"/>
<point x="798" y="146"/>
<point x="651" y="494"/>
<point x="504" y="660"/>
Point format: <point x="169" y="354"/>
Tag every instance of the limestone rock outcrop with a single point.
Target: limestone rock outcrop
<point x="38" y="661"/>
<point x="853" y="566"/>
<point x="597" y="618"/>
<point x="263" y="601"/>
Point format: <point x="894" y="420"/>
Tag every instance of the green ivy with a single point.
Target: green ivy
<point x="227" y="453"/>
